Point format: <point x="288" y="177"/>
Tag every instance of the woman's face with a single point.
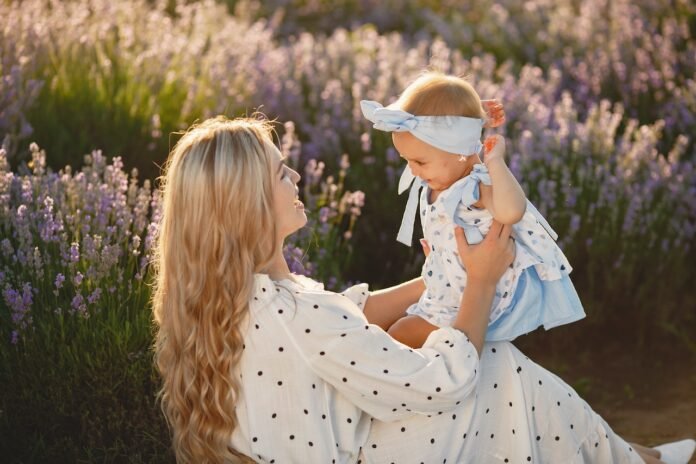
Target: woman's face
<point x="288" y="211"/>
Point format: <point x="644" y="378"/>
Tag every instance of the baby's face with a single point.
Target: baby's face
<point x="438" y="168"/>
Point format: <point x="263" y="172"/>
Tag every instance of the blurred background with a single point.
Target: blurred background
<point x="600" y="99"/>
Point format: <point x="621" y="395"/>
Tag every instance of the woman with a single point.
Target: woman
<point x="262" y="365"/>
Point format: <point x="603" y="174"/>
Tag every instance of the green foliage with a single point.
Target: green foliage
<point x="83" y="390"/>
<point x="122" y="78"/>
<point x="95" y="98"/>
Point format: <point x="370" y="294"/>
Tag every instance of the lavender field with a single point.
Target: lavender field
<point x="600" y="98"/>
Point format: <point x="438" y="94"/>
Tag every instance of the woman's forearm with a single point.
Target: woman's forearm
<point x="384" y="307"/>
<point x="508" y="199"/>
<point x="472" y="318"/>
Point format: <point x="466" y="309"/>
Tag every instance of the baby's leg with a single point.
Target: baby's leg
<point x="411" y="330"/>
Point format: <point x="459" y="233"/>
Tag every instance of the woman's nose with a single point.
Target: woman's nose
<point x="295" y="176"/>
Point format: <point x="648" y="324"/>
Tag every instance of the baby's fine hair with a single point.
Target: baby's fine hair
<point x="437" y="94"/>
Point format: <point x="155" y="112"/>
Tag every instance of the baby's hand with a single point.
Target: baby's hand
<point x="495" y="112"/>
<point x="494" y="148"/>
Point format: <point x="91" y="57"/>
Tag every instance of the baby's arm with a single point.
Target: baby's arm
<point x="384" y="307"/>
<point x="505" y="198"/>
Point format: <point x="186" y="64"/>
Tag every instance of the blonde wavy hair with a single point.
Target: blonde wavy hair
<point x="437" y="94"/>
<point x="217" y="197"/>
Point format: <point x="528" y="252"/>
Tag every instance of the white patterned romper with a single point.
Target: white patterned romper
<point x="535" y="291"/>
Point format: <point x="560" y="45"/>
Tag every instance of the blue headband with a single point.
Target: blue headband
<point x="458" y="135"/>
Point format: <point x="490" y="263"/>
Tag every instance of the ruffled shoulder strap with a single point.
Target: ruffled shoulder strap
<point x="466" y="190"/>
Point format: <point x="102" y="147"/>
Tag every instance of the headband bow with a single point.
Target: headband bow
<point x="458" y="135"/>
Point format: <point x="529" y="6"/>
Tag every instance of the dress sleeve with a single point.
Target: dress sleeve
<point x="357" y="294"/>
<point x="383" y="377"/>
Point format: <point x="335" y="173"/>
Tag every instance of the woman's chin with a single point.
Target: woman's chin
<point x="301" y="222"/>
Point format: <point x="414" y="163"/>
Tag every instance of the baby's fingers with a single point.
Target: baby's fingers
<point x="495" y="113"/>
<point x="489" y="105"/>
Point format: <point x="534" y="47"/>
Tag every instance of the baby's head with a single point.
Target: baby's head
<point x="436" y="94"/>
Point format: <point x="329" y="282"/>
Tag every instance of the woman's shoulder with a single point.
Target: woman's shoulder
<point x="304" y="290"/>
<point x="265" y="286"/>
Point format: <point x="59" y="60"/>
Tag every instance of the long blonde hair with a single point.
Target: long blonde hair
<point x="216" y="231"/>
<point x="436" y="94"/>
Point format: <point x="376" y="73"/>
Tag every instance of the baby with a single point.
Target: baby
<point x="436" y="127"/>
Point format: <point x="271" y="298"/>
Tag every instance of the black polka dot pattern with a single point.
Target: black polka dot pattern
<point x="316" y="373"/>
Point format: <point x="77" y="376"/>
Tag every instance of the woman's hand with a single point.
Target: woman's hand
<point x="426" y="247"/>
<point x="486" y="261"/>
<point x="495" y="112"/>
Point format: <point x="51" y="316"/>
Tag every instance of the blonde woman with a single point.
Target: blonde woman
<point x="260" y="365"/>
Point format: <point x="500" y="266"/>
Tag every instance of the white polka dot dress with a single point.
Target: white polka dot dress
<point x="536" y="290"/>
<point x="321" y="385"/>
<point x="519" y="413"/>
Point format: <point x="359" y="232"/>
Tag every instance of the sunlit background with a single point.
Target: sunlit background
<point x="600" y="101"/>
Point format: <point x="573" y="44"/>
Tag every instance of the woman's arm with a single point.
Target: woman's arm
<point x="505" y="198"/>
<point x="384" y="307"/>
<point x="383" y="377"/>
<point x="485" y="263"/>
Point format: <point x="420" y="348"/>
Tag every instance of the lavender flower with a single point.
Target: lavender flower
<point x="20" y="306"/>
<point x="74" y="252"/>
<point x="94" y="296"/>
<point x="78" y="305"/>
<point x="600" y="108"/>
